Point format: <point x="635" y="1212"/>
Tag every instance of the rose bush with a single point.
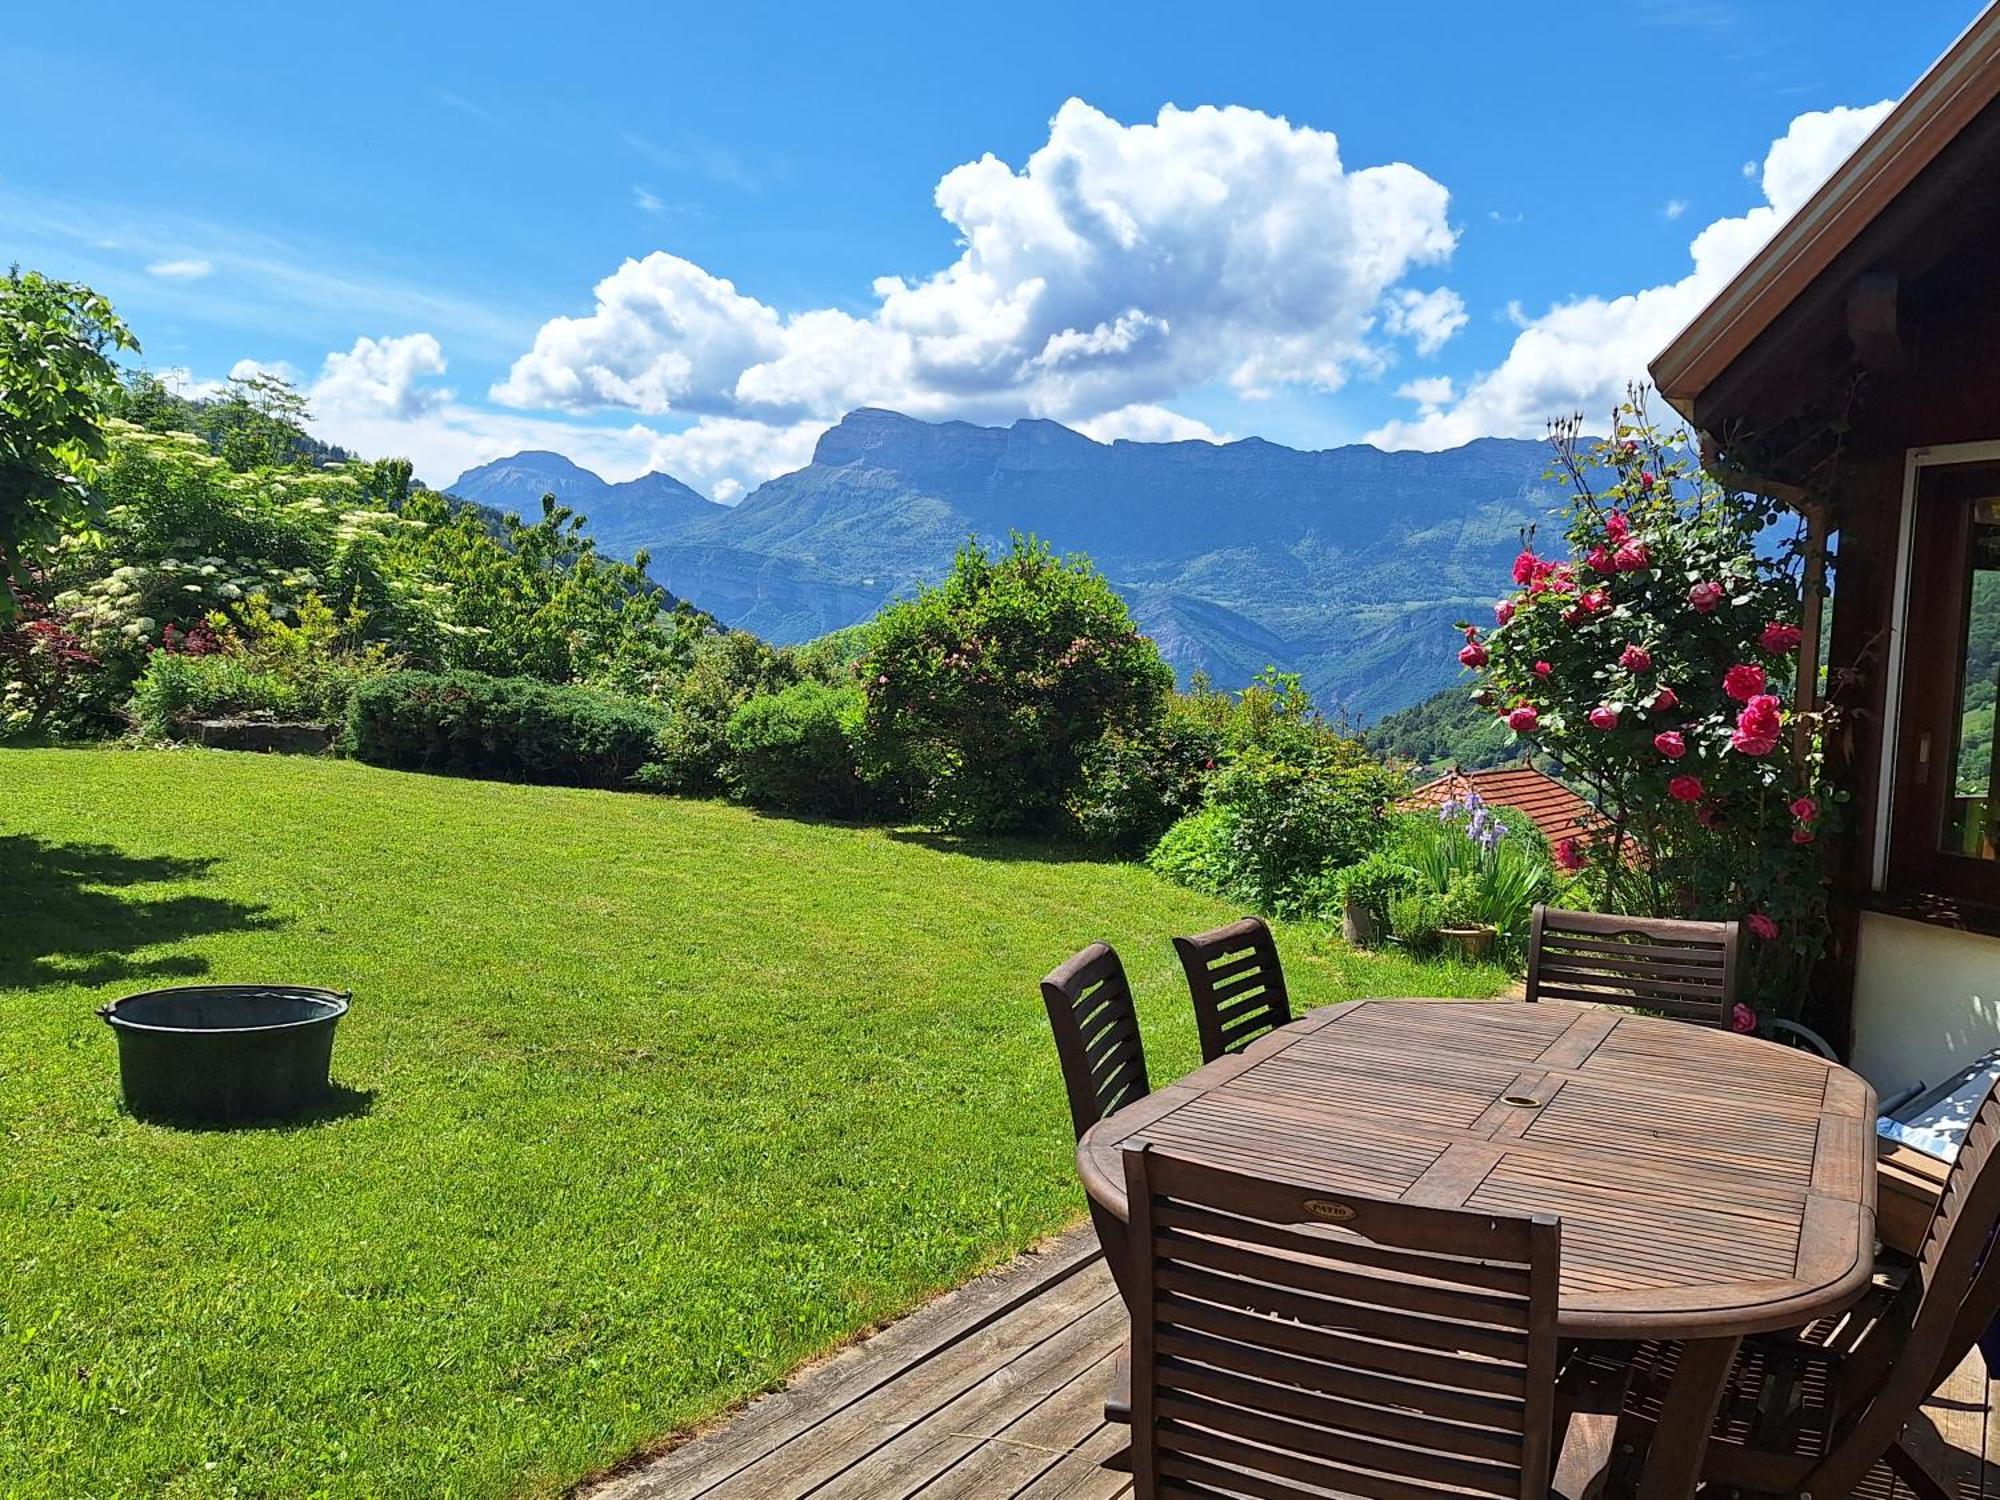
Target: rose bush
<point x="1651" y="653"/>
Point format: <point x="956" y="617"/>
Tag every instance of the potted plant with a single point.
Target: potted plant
<point x="1365" y="891"/>
<point x="1462" y="921"/>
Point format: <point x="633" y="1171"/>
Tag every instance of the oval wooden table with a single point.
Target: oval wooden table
<point x="1709" y="1185"/>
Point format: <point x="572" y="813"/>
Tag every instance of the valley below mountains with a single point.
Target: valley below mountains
<point x="1347" y="565"/>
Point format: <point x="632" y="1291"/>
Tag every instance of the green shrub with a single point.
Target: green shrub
<point x="794" y="750"/>
<point x="1196" y="851"/>
<point x="1137" y="786"/>
<point x="1416" y="918"/>
<point x="176" y="690"/>
<point x="508" y="728"/>
<point x="727" y="671"/>
<point x="987" y="693"/>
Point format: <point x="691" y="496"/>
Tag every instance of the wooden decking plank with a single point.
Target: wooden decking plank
<point x="925" y="1447"/>
<point x="1081" y="1475"/>
<point x="829" y="1447"/>
<point x="1037" y="1438"/>
<point x="817" y="1393"/>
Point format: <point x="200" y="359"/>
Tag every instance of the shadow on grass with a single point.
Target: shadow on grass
<point x="340" y="1103"/>
<point x="1004" y="850"/>
<point x="69" y="914"/>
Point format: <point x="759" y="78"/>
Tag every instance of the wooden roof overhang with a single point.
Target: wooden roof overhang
<point x="1828" y="315"/>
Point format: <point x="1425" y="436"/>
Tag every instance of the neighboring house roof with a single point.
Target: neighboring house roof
<point x="1553" y="808"/>
<point x="1957" y="89"/>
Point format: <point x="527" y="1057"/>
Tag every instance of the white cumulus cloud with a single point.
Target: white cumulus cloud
<point x="725" y="456"/>
<point x="381" y="378"/>
<point x="1581" y="354"/>
<point x="1118" y="267"/>
<point x="1142" y="423"/>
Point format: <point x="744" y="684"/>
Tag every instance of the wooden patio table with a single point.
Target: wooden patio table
<point x="1710" y="1185"/>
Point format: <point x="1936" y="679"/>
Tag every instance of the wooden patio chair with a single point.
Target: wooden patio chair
<point x="1104" y="1069"/>
<point x="1237" y="983"/>
<point x="1292" y="1341"/>
<point x="1813" y="1411"/>
<point x="1686" y="970"/>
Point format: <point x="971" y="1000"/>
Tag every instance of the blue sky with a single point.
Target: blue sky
<point x="412" y="208"/>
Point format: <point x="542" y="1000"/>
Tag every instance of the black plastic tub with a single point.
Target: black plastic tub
<point x="220" y="1053"/>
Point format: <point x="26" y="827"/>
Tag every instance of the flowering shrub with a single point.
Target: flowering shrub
<point x="1652" y="655"/>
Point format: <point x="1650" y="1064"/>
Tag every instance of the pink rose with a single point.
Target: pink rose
<point x="1472" y="654"/>
<point x="1763" y="926"/>
<point x="1805" y="809"/>
<point x="1632" y="557"/>
<point x="1561" y="579"/>
<point x="1503" y="611"/>
<point x="1616" y="526"/>
<point x="1569" y="855"/>
<point x="1604" y="716"/>
<point x="1542" y="669"/>
<point x="1779" y="638"/>
<point x="1758" y="726"/>
<point x="1600" y="560"/>
<point x="1636" y="659"/>
<point x="1522" y="720"/>
<point x="1685" y="789"/>
<point x="1743" y="682"/>
<point x="1802" y="835"/>
<point x="1742" y="1018"/>
<point x="1704" y="597"/>
<point x="1670" y="744"/>
<point x="1664" y="701"/>
<point x="1594" y="602"/>
<point x="1525" y="567"/>
<point x="1645" y="479"/>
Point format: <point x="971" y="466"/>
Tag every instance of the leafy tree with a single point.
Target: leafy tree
<point x="987" y="692"/>
<point x="1446" y="729"/>
<point x="55" y="385"/>
<point x="258" y="423"/>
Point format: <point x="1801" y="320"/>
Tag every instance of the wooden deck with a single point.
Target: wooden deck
<point x="995" y="1392"/>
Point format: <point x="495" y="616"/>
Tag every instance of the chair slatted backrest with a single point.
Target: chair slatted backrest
<point x="1686" y="970"/>
<point x="1952" y="1293"/>
<point x="1097" y="1034"/>
<point x="1295" y="1341"/>
<point x="1237" y="983"/>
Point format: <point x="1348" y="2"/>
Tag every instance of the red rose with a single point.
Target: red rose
<point x="1805" y="809"/>
<point x="1802" y="835"/>
<point x="1604" y="716"/>
<point x="1636" y="659"/>
<point x="1664" y="701"/>
<point x="1569" y="855"/>
<point x="1670" y="744"/>
<point x="1779" y="638"/>
<point x="1599" y="559"/>
<point x="1616" y="526"/>
<point x="1526" y="567"/>
<point x="1503" y="611"/>
<point x="1704" y="597"/>
<point x="1763" y="926"/>
<point x="1542" y="669"/>
<point x="1472" y="654"/>
<point x="1523" y="719"/>
<point x="1742" y="1018"/>
<point x="1632" y="557"/>
<point x="1758" y="726"/>
<point x="1645" y="479"/>
<point x="1743" y="682"/>
<point x="1685" y="789"/>
<point x="1594" y="601"/>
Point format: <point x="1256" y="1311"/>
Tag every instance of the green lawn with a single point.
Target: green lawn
<point x="652" y="1100"/>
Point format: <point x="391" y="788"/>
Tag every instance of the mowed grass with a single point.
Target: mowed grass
<point x="650" y="1100"/>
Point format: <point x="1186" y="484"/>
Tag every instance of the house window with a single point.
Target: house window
<point x="1945" y="825"/>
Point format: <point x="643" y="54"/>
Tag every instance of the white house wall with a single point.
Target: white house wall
<point x="1926" y="1000"/>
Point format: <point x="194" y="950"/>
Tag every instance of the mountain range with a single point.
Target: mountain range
<point x="1348" y="565"/>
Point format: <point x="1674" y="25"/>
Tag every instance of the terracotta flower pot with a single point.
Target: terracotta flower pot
<point x="1473" y="943"/>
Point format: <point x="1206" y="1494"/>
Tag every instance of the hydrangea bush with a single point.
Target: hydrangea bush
<point x="1653" y="652"/>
